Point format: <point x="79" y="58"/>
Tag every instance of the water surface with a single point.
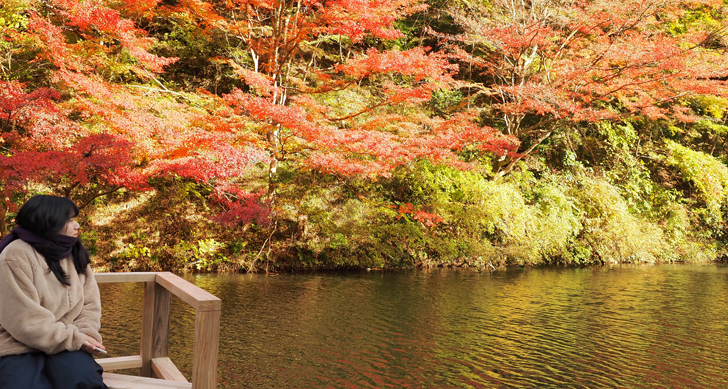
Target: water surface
<point x="660" y="326"/>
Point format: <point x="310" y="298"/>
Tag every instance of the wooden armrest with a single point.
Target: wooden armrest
<point x="102" y="278"/>
<point x="192" y="294"/>
<point x="120" y="363"/>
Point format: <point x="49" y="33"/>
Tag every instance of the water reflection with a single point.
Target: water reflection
<point x="627" y="327"/>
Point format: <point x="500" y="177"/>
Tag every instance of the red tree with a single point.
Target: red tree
<point x="113" y="124"/>
<point x="291" y="81"/>
<point x="546" y="64"/>
<point x="37" y="150"/>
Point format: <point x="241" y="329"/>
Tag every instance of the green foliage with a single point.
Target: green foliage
<point x="343" y="233"/>
<point x="446" y="101"/>
<point x="640" y="177"/>
<point x="711" y="128"/>
<point x="346" y="102"/>
<point x="714" y="106"/>
<point x="11" y="19"/>
<point x="619" y="136"/>
<point x="16" y="49"/>
<point x="90" y="239"/>
<point x="180" y="36"/>
<point x="700" y="17"/>
<point x="131" y="257"/>
<point x="612" y="233"/>
<point x="558" y="223"/>
<point x="132" y="252"/>
<point x="520" y="220"/>
<point x="628" y="171"/>
<point x="708" y="178"/>
<point x="205" y="254"/>
<point x="481" y="219"/>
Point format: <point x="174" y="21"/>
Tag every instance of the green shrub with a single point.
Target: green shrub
<point x="707" y="176"/>
<point x="610" y="231"/>
<point x="205" y="254"/>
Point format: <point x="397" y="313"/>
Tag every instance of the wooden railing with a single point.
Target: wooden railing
<point x="153" y="359"/>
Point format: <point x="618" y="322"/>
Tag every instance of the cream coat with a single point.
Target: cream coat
<point x="37" y="312"/>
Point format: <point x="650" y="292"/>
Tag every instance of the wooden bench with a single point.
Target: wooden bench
<point x="156" y="369"/>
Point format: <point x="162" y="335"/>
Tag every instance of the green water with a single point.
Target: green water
<point x="660" y="326"/>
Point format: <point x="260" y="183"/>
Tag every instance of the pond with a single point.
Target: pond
<point x="619" y="326"/>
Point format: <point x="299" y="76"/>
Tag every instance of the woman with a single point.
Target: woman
<point x="50" y="309"/>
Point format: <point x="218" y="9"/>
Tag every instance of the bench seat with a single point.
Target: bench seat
<point x="169" y="375"/>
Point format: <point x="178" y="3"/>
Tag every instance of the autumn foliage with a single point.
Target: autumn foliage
<point x="263" y="105"/>
<point x="547" y="63"/>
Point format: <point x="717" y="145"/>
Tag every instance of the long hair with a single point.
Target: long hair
<point x="46" y="216"/>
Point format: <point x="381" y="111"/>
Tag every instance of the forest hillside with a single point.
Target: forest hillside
<point x="269" y="135"/>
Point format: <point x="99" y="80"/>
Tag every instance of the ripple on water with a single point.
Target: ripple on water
<point x="626" y="327"/>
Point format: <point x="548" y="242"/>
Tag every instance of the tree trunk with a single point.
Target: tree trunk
<point x="513" y="161"/>
<point x="3" y="225"/>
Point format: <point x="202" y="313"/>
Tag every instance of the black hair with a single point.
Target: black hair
<point x="46" y="216"/>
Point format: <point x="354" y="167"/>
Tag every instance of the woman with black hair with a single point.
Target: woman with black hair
<point x="50" y="309"/>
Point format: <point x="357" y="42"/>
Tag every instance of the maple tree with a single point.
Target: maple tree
<point x="543" y="66"/>
<point x="34" y="134"/>
<point x="294" y="86"/>
<point x="107" y="122"/>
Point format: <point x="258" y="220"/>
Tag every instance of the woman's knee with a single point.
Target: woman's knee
<point x="74" y="370"/>
<point x="23" y="371"/>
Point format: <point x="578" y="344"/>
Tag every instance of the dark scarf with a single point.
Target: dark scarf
<point x="61" y="248"/>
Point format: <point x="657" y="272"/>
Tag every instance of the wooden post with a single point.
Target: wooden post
<point x="156" y="315"/>
<point x="162" y="318"/>
<point x="205" y="354"/>
<point x="145" y="347"/>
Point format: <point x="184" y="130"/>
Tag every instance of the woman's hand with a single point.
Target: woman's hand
<point x="91" y="344"/>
